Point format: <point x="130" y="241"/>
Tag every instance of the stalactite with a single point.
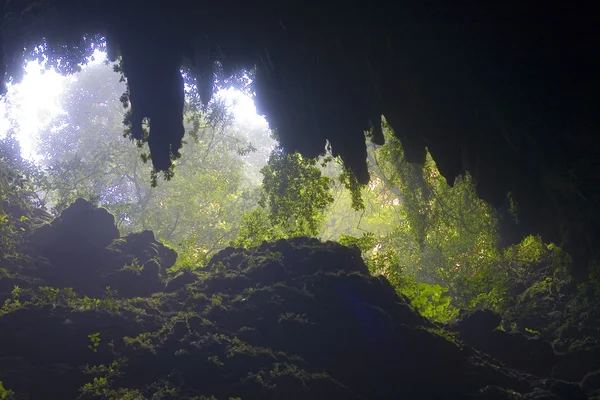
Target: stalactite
<point x="438" y="71"/>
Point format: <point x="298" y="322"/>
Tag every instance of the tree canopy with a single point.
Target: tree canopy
<point x="84" y="153"/>
<point x="439" y="245"/>
<point x="456" y="79"/>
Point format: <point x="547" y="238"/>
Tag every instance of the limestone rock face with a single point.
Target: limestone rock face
<point x="295" y="319"/>
<point x="85" y="251"/>
<point x="140" y="265"/>
<point x="531" y="354"/>
<point x="80" y="227"/>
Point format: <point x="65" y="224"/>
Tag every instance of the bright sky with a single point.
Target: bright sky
<point x="35" y="103"/>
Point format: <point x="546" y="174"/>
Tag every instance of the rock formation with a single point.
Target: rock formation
<point x="293" y="319"/>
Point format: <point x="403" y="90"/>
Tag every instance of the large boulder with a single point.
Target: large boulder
<point x="80" y="226"/>
<point x="516" y="350"/>
<point x="477" y="323"/>
<point x="295" y="319"/>
<point x="581" y="358"/>
<point x="140" y="265"/>
<point x="591" y="383"/>
<point x="84" y="251"/>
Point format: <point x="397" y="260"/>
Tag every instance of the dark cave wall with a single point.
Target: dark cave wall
<point x="504" y="91"/>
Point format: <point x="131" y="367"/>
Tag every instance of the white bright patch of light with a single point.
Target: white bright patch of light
<point x="243" y="108"/>
<point x="35" y="102"/>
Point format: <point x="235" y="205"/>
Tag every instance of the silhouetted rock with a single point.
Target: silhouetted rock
<point x="479" y="322"/>
<point x="541" y="395"/>
<point x="79" y="227"/>
<point x="516" y="350"/>
<point x="178" y="281"/>
<point x="44" y="348"/>
<point x="577" y="362"/>
<point x="84" y="251"/>
<point x="496" y="393"/>
<point x="567" y="390"/>
<point x="140" y="265"/>
<point x="295" y="319"/>
<point x="591" y="383"/>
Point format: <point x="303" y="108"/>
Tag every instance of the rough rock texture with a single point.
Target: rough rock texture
<point x="516" y="350"/>
<point x="505" y="90"/>
<point x="568" y="317"/>
<point x="553" y="330"/>
<point x="478" y="322"/>
<point x="294" y="319"/>
<point x="83" y="249"/>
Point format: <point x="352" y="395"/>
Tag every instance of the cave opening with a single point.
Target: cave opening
<point x="404" y="178"/>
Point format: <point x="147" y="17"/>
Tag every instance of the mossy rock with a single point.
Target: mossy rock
<point x="591" y="382"/>
<point x="567" y="390"/>
<point x="255" y="323"/>
<point x="496" y="393"/>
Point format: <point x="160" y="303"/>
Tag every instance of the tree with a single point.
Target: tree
<point x="455" y="233"/>
<point x="18" y="197"/>
<point x="255" y="154"/>
<point x="379" y="211"/>
<point x="85" y="154"/>
<point x="438" y="245"/>
<point x="293" y="200"/>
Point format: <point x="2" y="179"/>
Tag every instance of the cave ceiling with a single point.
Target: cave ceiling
<point x="504" y="90"/>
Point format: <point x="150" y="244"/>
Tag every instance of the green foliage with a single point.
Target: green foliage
<point x="527" y="253"/>
<point x="13" y="303"/>
<point x="443" y="333"/>
<point x="542" y="287"/>
<point x="359" y="209"/>
<point x="94" y="341"/>
<point x="5" y="394"/>
<point x="294" y="198"/>
<point x="532" y="331"/>
<point x="255" y="228"/>
<point x="437" y="244"/>
<point x="594" y="277"/>
<point x="513" y="208"/>
<point x="447" y="236"/>
<point x="191" y="254"/>
<point x="431" y="301"/>
<point x="365" y="243"/>
<point x="283" y="369"/>
<point x="542" y="267"/>
<point x="215" y="360"/>
<point x="295" y="193"/>
<point x="61" y="297"/>
<point x="8" y="236"/>
<point x="84" y="154"/>
<point x="18" y="177"/>
<point x="110" y="300"/>
<point x="18" y="197"/>
<point x="164" y="391"/>
<point x="103" y="382"/>
<point x="142" y="341"/>
<point x="299" y="318"/>
<point x="350" y="182"/>
<point x="213" y="398"/>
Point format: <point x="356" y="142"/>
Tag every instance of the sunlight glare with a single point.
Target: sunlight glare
<point x="243" y="108"/>
<point x="34" y="102"/>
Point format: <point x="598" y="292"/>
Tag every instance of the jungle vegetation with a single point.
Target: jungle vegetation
<point x="438" y="244"/>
